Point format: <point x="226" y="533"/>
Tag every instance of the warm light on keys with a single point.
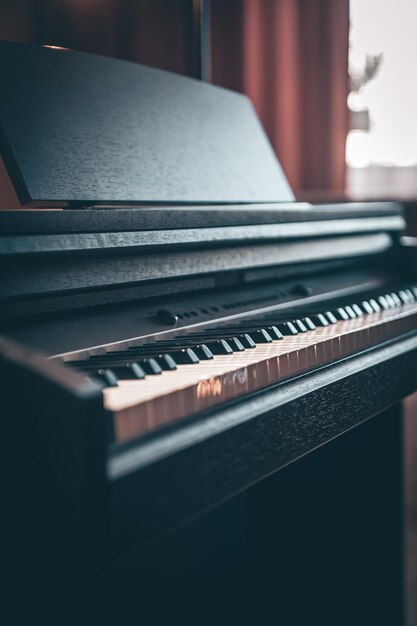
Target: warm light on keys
<point x="144" y="405"/>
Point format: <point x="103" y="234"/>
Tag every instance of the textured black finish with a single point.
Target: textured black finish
<point x="85" y="129"/>
<point x="191" y="238"/>
<point x="41" y="277"/>
<point x="36" y="221"/>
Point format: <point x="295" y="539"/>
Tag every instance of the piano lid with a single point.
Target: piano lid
<point x="80" y="129"/>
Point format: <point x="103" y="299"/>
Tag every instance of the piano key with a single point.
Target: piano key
<point x="274" y="333"/>
<point x="108" y="377"/>
<point x="366" y="306"/>
<point x="389" y="299"/>
<point x="235" y="344"/>
<point x="287" y="328"/>
<point x="260" y="336"/>
<point x="396" y="299"/>
<point x="247" y="341"/>
<point x="357" y="310"/>
<point x="186" y="356"/>
<point x="308" y="322"/>
<point x="166" y="362"/>
<point x="203" y="352"/>
<point x="332" y="319"/>
<point x="374" y="304"/>
<point x="349" y="310"/>
<point x="300" y="326"/>
<point x="221" y="346"/>
<point x="340" y="314"/>
<point x="319" y="319"/>
<point x="404" y="297"/>
<point x="383" y="302"/>
<point x="216" y="380"/>
<point x="129" y="372"/>
<point x="150" y="366"/>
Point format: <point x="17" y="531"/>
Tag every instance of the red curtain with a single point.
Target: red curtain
<point x="290" y="57"/>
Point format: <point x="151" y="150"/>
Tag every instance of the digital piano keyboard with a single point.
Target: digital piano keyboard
<point x="176" y="329"/>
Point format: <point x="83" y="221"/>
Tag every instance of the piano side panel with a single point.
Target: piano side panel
<point x="55" y="432"/>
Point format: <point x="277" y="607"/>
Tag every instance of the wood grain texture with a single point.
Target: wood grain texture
<point x="84" y="129"/>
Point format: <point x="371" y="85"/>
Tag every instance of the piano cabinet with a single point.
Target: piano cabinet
<point x="296" y="514"/>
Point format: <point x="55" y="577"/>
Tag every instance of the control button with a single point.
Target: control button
<point x="167" y="317"/>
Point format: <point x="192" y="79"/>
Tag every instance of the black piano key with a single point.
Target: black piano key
<point x="260" y="336"/>
<point x="308" y="322"/>
<point x="131" y="371"/>
<point x="203" y="352"/>
<point x="404" y="297"/>
<point x="357" y="310"/>
<point x="390" y="300"/>
<point x="349" y="310"/>
<point x="383" y="302"/>
<point x="186" y="356"/>
<point x="319" y="319"/>
<point x="246" y="340"/>
<point x="107" y="376"/>
<point x="340" y="314"/>
<point x="166" y="362"/>
<point x="300" y="326"/>
<point x="367" y="307"/>
<point x="287" y="328"/>
<point x="236" y="344"/>
<point x="331" y="317"/>
<point x="150" y="366"/>
<point x="220" y="346"/>
<point x="274" y="332"/>
<point x="396" y="299"/>
<point x="374" y="304"/>
<point x="410" y="295"/>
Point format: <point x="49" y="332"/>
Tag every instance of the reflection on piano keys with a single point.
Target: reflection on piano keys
<point x="154" y="384"/>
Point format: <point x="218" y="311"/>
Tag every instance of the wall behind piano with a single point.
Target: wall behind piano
<point x="289" y="56"/>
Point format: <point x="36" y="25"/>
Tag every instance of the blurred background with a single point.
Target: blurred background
<point x="333" y="82"/>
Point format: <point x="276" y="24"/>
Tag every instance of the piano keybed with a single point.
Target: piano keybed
<point x="156" y="384"/>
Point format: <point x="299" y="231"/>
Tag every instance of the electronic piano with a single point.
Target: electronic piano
<point x="175" y="329"/>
